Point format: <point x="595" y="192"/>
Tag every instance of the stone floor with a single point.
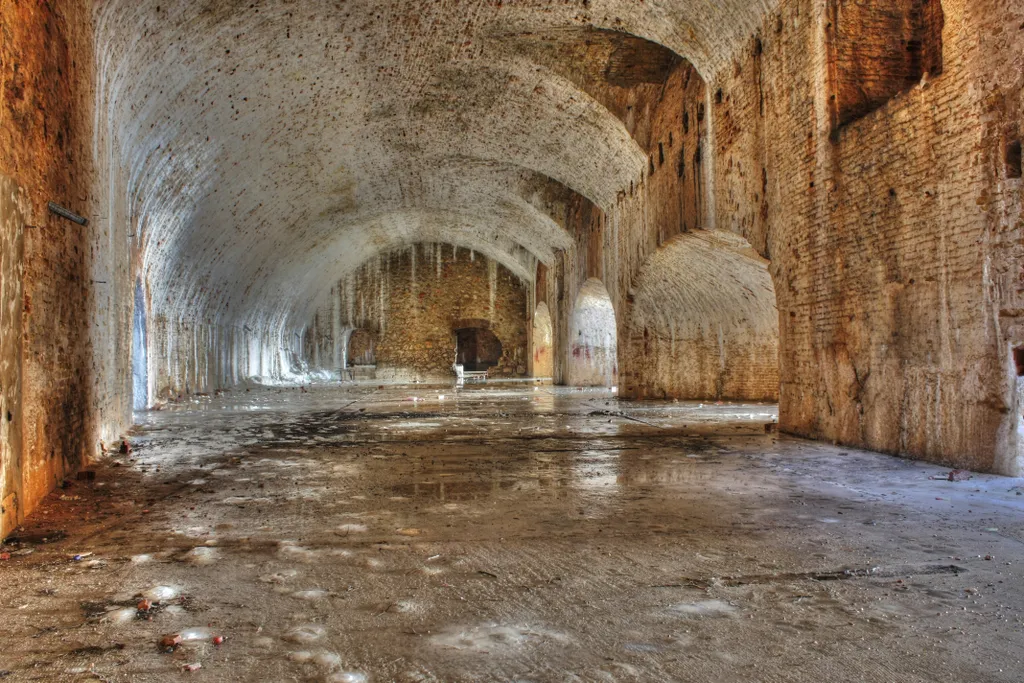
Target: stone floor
<point x="509" y="532"/>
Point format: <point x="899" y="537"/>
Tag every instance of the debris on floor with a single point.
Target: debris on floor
<point x="954" y="475"/>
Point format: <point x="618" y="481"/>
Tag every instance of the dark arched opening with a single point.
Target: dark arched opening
<point x="477" y="349"/>
<point x="361" y="355"/>
<point x="362" y="348"/>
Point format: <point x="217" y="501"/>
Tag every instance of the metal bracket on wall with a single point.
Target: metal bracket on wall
<point x="64" y="213"/>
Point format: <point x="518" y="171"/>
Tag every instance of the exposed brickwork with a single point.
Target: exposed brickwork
<point x="895" y="247"/>
<point x="877" y="50"/>
<point x="13" y="209"/>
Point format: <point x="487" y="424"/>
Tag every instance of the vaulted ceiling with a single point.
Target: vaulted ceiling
<point x="270" y="146"/>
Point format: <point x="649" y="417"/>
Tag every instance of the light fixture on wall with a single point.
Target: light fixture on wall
<point x="70" y="215"/>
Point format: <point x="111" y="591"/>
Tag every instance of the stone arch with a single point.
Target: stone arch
<point x="543" y="342"/>
<point x="703" y="323"/>
<point x="593" y="338"/>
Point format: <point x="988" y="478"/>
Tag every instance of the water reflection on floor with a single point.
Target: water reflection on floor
<point x="511" y="532"/>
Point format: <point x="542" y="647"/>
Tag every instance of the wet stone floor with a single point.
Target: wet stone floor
<point x="509" y="533"/>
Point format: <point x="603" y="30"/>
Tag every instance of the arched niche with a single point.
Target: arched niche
<point x="593" y="339"/>
<point x="703" y="323"/>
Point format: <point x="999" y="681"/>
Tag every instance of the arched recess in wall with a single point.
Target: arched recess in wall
<point x="703" y="323"/>
<point x="140" y="352"/>
<point x="362" y="348"/>
<point x="593" y="339"/>
<point x="543" y="342"/>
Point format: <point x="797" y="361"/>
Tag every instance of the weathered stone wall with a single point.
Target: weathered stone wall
<point x="414" y="299"/>
<point x="46" y="71"/>
<point x="895" y="243"/>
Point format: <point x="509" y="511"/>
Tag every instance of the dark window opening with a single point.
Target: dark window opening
<point x="1013" y="159"/>
<point x="1018" y="360"/>
<point x="477" y="349"/>
<point x="879" y="49"/>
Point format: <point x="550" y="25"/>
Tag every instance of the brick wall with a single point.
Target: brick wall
<point x="894" y="245"/>
<point x="877" y="50"/>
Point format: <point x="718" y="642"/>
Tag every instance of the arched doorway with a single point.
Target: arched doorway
<point x="593" y="343"/>
<point x="543" y="339"/>
<point x="477" y="349"/>
<point x="140" y="355"/>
